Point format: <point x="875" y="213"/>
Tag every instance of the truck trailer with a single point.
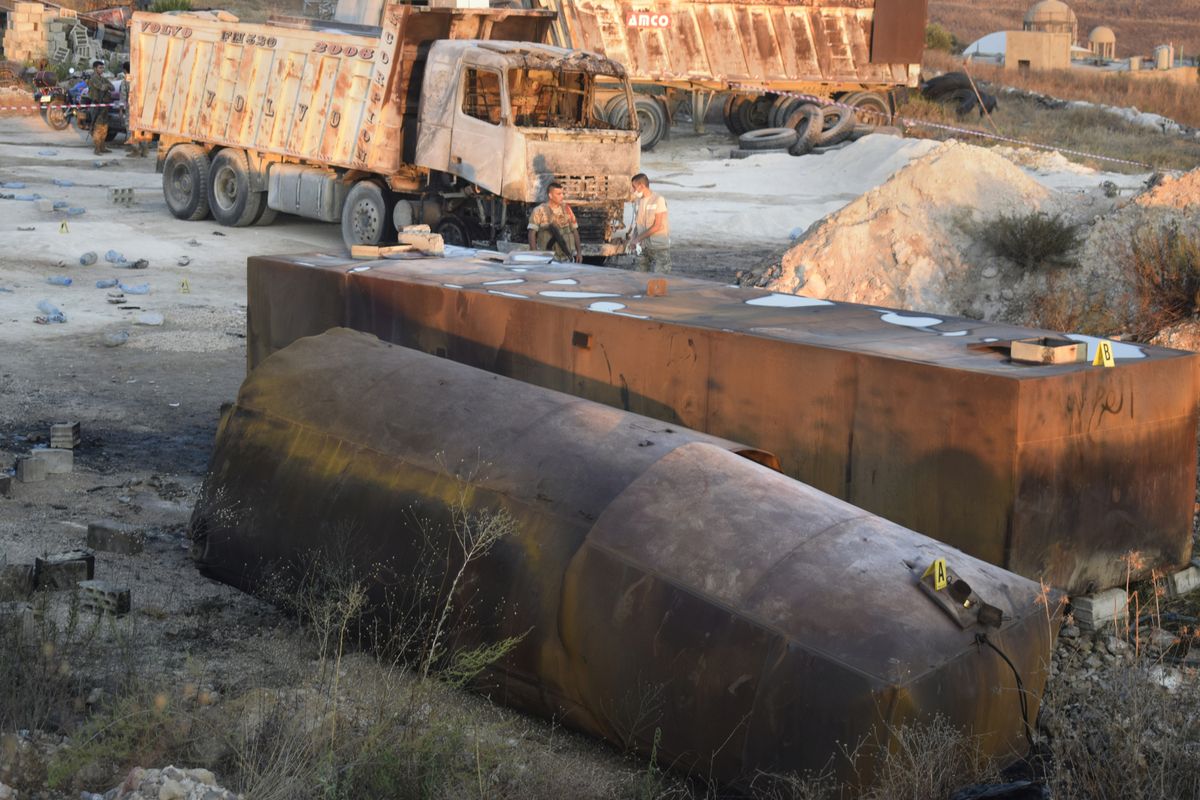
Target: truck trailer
<point x="455" y="118"/>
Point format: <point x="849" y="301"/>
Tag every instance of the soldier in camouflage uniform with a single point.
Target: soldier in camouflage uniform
<point x="100" y="91"/>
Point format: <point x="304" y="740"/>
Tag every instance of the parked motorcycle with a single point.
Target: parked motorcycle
<point x="52" y="100"/>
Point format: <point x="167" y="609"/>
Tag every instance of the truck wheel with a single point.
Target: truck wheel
<point x="730" y="113"/>
<point x="768" y="139"/>
<point x="651" y="118"/>
<point x="753" y="115"/>
<point x="266" y="215"/>
<point x="838" y="125"/>
<point x="366" y="218"/>
<point x="777" y="113"/>
<point x="871" y="108"/>
<point x="807" y="121"/>
<point x="453" y="231"/>
<point x="229" y="195"/>
<point x="185" y="182"/>
<point x="614" y="109"/>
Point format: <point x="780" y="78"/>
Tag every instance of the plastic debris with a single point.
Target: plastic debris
<point x="48" y="153"/>
<point x="88" y="258"/>
<point x="149" y="318"/>
<point x="116" y="339"/>
<point x="27" y="197"/>
<point x="184" y="261"/>
<point x="26" y="228"/>
<point x="60" y="204"/>
<point x="63" y="182"/>
<point x="141" y="263"/>
<point x="141" y="288"/>
<point x="113" y="257"/>
<point x="12" y="185"/>
<point x="59" y="280"/>
<point x="50" y="313"/>
<point x="75" y="212"/>
<point x="107" y="283"/>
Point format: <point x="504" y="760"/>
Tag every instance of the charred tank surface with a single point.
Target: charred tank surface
<point x="770" y="621"/>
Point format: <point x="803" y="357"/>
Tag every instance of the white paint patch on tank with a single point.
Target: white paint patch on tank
<point x="893" y="318"/>
<point x="452" y="285"/>
<point x="630" y="314"/>
<point x="607" y="306"/>
<point x="567" y="295"/>
<point x="787" y="301"/>
<point x="1119" y="349"/>
<point x="565" y="282"/>
<point x="991" y="339"/>
<point x="955" y="333"/>
<point x="507" y="294"/>
<point x="504" y="282"/>
<point x="517" y="269"/>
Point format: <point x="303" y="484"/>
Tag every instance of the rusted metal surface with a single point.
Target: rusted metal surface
<point x="1054" y="472"/>
<point x="660" y="581"/>
<point x="772" y="44"/>
<point x="314" y="92"/>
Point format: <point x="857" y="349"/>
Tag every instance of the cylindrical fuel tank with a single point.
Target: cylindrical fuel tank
<point x="660" y="579"/>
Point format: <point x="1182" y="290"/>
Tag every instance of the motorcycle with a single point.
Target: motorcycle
<point x="82" y="116"/>
<point x="52" y="99"/>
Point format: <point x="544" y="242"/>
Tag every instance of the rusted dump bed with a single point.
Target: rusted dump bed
<point x="659" y="580"/>
<point x="766" y="43"/>
<point x="1050" y="471"/>
<point x="329" y="93"/>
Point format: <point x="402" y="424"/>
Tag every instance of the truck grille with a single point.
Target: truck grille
<point x="593" y="221"/>
<point x="591" y="188"/>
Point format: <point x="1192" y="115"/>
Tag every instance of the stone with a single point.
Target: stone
<point x="64" y="570"/>
<point x="30" y="470"/>
<point x="115" y="537"/>
<point x="1094" y="611"/>
<point x="990" y="271"/>
<point x="171" y="790"/>
<point x="58" y="461"/>
<point x="6" y="482"/>
<point x="427" y="243"/>
<point x="1184" y="581"/>
<point x="202" y="776"/>
<point x="16" y="581"/>
<point x="1068" y="632"/>
<point x="7" y="792"/>
<point x="104" y="597"/>
<point x="65" y="435"/>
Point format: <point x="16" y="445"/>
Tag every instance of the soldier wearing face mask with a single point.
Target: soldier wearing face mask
<point x="650" y="236"/>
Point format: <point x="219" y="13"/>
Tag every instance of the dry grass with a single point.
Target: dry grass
<point x="1139" y="24"/>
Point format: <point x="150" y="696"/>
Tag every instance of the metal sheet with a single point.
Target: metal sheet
<point x="898" y="31"/>
<point x="1056" y="472"/>
<point x="660" y="580"/>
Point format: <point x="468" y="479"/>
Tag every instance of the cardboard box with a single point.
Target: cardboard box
<point x="1049" y="350"/>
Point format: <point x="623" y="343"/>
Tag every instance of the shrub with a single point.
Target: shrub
<point x="163" y="6"/>
<point x="1165" y="263"/>
<point x="938" y="38"/>
<point x="1032" y="241"/>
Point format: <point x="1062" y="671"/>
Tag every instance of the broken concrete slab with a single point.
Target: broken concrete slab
<point x="104" y="597"/>
<point x="57" y="461"/>
<point x="30" y="469"/>
<point x="1182" y="582"/>
<point x="1092" y="612"/>
<point x="16" y="581"/>
<point x="65" y="435"/>
<point x="115" y="537"/>
<point x="64" y="570"/>
<point x="428" y="243"/>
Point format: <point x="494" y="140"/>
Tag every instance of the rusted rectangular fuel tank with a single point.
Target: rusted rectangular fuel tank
<point x="659" y="580"/>
<point x="1054" y="472"/>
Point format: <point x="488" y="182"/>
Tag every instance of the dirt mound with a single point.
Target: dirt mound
<point x="1171" y="192"/>
<point x="909" y="243"/>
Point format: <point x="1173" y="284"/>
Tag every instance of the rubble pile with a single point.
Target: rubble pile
<point x="169" y="783"/>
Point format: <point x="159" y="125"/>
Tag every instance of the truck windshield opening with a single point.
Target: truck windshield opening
<point x="545" y="98"/>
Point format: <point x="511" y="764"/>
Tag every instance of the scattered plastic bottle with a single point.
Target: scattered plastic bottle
<point x="60" y="204"/>
<point x="51" y="312"/>
<point x="107" y="283"/>
<point x="116" y="339"/>
<point x="75" y="211"/>
<point x="88" y="258"/>
<point x="141" y="288"/>
<point x="59" y="280"/>
<point x="63" y="182"/>
<point x="12" y="185"/>
<point x="113" y="257"/>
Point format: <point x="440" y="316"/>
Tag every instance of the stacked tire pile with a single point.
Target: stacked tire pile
<point x="776" y="124"/>
<point x="651" y="113"/>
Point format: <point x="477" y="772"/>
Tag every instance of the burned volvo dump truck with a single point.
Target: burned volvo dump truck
<point x="1051" y="471"/>
<point x="768" y="621"/>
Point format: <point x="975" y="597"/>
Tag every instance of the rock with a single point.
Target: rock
<point x="171" y="790"/>
<point x="202" y="776"/>
<point x="1068" y="632"/>
<point x="149" y="318"/>
<point x="116" y="339"/>
<point x="7" y="792"/>
<point x="990" y="271"/>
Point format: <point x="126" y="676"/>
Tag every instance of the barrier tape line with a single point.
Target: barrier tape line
<point x="824" y="101"/>
<point x="40" y="106"/>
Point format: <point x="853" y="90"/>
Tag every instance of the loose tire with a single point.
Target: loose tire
<point x="453" y="231"/>
<point x="775" y="115"/>
<point x="870" y="108"/>
<point x="807" y="121"/>
<point x="936" y="88"/>
<point x="230" y="197"/>
<point x="838" y="125"/>
<point x="732" y="115"/>
<point x="185" y="182"/>
<point x="753" y="115"/>
<point x="366" y="217"/>
<point x="768" y="139"/>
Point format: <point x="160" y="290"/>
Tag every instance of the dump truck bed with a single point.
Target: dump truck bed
<point x="769" y="44"/>
<point x="328" y="93"/>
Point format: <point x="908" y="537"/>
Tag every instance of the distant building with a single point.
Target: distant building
<point x="1049" y="32"/>
<point x="1052" y="16"/>
<point x="1103" y="43"/>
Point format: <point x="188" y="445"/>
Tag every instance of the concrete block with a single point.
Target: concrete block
<point x="428" y="243"/>
<point x="115" y="537"/>
<point x="64" y="570"/>
<point x="16" y="581"/>
<point x="1095" y="611"/>
<point x="30" y="469"/>
<point x="1184" y="581"/>
<point x="104" y="597"/>
<point x="6" y="482"/>
<point x="65" y="435"/>
<point x="58" y="462"/>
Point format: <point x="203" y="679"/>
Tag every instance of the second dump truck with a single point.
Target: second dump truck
<point x="456" y="118"/>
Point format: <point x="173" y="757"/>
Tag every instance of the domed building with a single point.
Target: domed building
<point x="1052" y="16"/>
<point x="1103" y="43"/>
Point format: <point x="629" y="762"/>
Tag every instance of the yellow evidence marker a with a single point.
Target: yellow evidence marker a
<point x="184" y="288"/>
<point x="1104" y="355"/>
<point x="938" y="570"/>
<point x="62" y="227"/>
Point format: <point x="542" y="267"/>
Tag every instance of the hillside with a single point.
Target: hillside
<point x="1139" y="24"/>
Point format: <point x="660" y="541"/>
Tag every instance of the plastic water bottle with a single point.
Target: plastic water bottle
<point x="107" y="283"/>
<point x="51" y="312"/>
<point x="59" y="280"/>
<point x="141" y="288"/>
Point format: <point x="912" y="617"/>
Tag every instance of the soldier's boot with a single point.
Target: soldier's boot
<point x="99" y="136"/>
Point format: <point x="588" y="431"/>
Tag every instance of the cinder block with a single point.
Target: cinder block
<point x="6" y="482"/>
<point x="1095" y="611"/>
<point x="428" y="243"/>
<point x="16" y="581"/>
<point x="1184" y="581"/>
<point x="29" y="8"/>
<point x="115" y="537"/>
<point x="104" y="597"/>
<point x="65" y="435"/>
<point x="30" y="469"/>
<point x="58" y="462"/>
<point x="64" y="570"/>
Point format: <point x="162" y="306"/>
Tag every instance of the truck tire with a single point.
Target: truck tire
<point x="768" y="139"/>
<point x="185" y="181"/>
<point x="871" y="108"/>
<point x="729" y="113"/>
<point x="775" y="115"/>
<point x="453" y="231"/>
<point x="366" y="217"/>
<point x="937" y="88"/>
<point x="230" y="198"/>
<point x="838" y="125"/>
<point x="753" y="115"/>
<point x="807" y="121"/>
<point x="651" y="118"/>
<point x="614" y="110"/>
<point x="266" y="215"/>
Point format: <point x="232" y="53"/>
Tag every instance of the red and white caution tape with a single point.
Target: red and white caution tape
<point x="825" y="101"/>
<point x="40" y="106"/>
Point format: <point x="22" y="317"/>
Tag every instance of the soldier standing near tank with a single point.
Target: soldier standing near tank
<point x="100" y="90"/>
<point x="651" y="233"/>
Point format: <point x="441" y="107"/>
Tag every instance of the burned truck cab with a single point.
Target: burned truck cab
<point x="503" y="119"/>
